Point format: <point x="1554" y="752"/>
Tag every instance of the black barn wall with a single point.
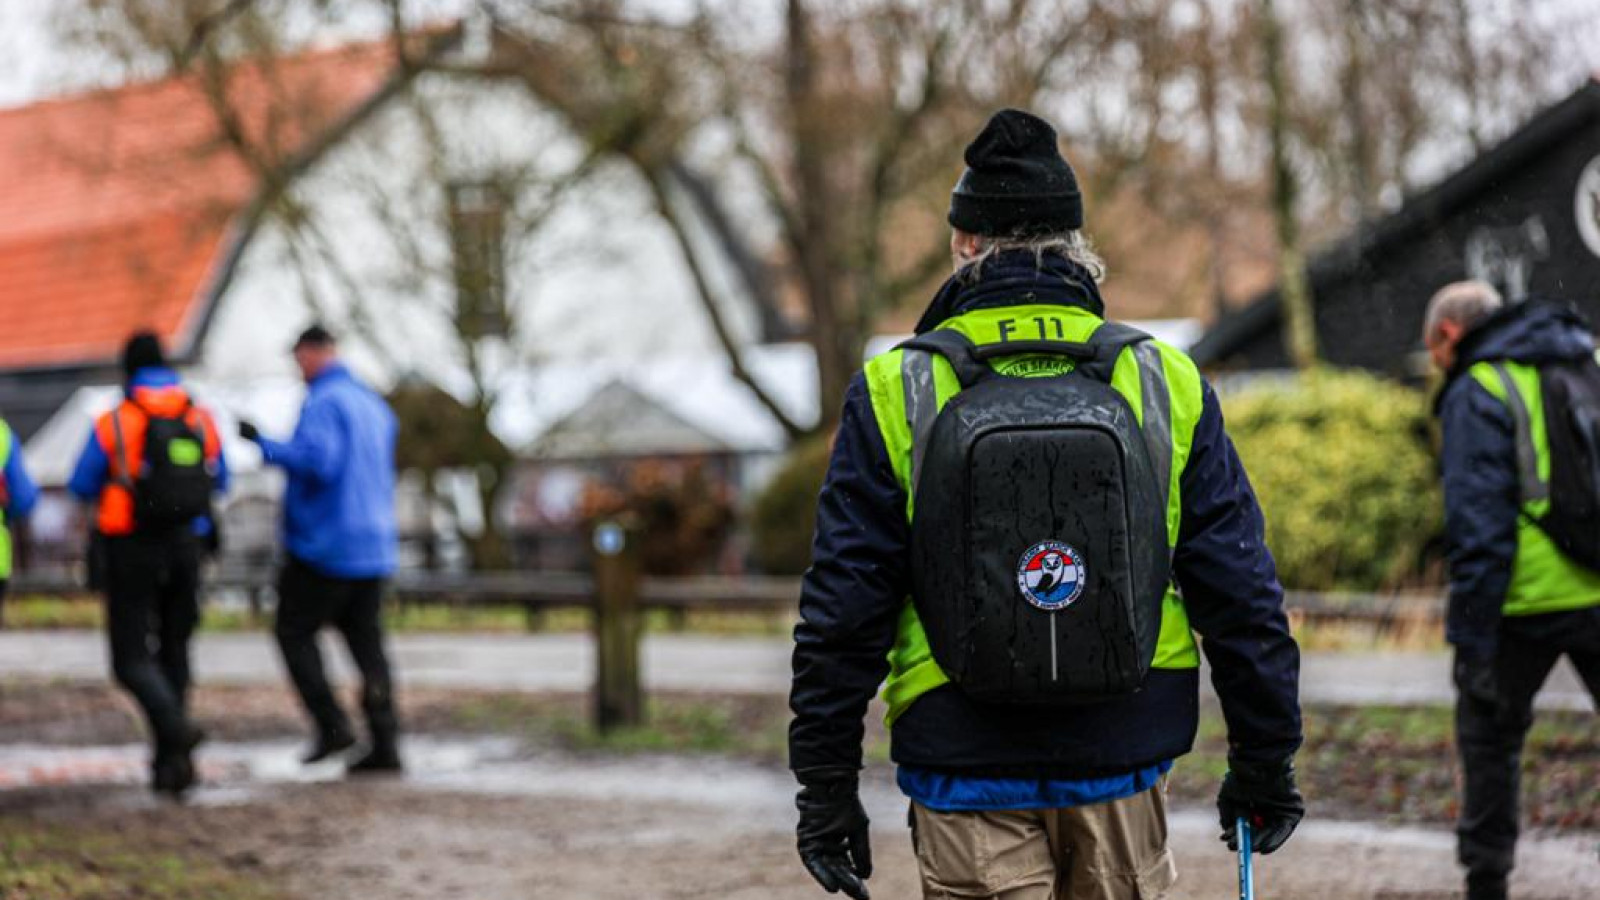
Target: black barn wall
<point x="1518" y="228"/>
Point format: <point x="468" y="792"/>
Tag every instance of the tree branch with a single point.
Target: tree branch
<point x="656" y="180"/>
<point x="204" y="28"/>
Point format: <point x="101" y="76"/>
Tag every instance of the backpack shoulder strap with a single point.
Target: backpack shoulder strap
<point x="921" y="395"/>
<point x="956" y="348"/>
<point x="124" y="470"/>
<point x="1155" y="399"/>
<point x="1533" y="488"/>
<point x="1108" y="342"/>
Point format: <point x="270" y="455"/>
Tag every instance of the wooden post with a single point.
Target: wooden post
<point x="618" y="700"/>
<point x="533" y="617"/>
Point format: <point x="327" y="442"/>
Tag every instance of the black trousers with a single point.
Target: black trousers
<point x="1489" y="736"/>
<point x="308" y="600"/>
<point x="152" y="608"/>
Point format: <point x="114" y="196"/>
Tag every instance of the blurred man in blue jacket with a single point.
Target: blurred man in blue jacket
<point x="18" y="494"/>
<point x="341" y="540"/>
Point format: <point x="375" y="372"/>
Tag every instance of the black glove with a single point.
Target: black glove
<point x="1474" y="677"/>
<point x="1265" y="794"/>
<point x="248" y="430"/>
<point x="833" y="831"/>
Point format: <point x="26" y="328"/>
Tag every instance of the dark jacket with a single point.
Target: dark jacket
<point x="1478" y="462"/>
<point x="857" y="586"/>
<point x="92" y="474"/>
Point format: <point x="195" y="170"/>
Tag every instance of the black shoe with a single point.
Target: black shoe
<point x="172" y="775"/>
<point x="378" y="761"/>
<point x="172" y="771"/>
<point x="328" y="744"/>
<point x="1486" y="887"/>
<point x="194" y="739"/>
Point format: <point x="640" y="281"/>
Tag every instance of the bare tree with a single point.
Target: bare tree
<point x="1300" y="329"/>
<point x="846" y="121"/>
<point x="844" y="117"/>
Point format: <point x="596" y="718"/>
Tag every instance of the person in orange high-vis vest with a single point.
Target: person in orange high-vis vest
<point x="152" y="518"/>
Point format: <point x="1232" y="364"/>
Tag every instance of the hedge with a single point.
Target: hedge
<point x="785" y="513"/>
<point x="1341" y="463"/>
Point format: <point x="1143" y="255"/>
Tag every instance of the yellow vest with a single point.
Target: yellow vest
<point x="912" y="670"/>
<point x="1543" y="579"/>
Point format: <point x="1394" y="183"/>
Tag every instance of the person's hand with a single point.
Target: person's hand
<point x="1266" y="796"/>
<point x="1474" y="677"/>
<point x="248" y="431"/>
<point x="833" y="831"/>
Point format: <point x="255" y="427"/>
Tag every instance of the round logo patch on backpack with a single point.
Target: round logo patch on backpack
<point x="1051" y="575"/>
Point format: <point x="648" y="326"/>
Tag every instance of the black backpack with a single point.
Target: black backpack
<point x="174" y="484"/>
<point x="1038" y="535"/>
<point x="1571" y="393"/>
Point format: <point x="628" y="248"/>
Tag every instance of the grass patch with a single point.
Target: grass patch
<point x="1399" y="764"/>
<point x="42" y="613"/>
<point x="47" y="613"/>
<point x="1347" y="636"/>
<point x="40" y="861"/>
<point x="1394" y="764"/>
<point x="754" y="727"/>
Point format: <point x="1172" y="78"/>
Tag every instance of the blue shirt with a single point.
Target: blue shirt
<point x="338" y="507"/>
<point x="93" y="471"/>
<point x="952" y="793"/>
<point x="21" y="492"/>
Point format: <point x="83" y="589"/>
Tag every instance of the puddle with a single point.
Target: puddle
<point x="229" y="770"/>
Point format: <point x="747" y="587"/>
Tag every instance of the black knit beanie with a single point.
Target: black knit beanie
<point x="142" y="351"/>
<point x="1017" y="184"/>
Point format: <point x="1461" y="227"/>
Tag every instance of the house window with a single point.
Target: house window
<point x="477" y="236"/>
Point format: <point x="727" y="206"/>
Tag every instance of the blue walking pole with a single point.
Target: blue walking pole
<point x="1247" y="881"/>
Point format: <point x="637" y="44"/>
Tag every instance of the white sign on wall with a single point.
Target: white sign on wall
<point x="1507" y="256"/>
<point x="1587" y="205"/>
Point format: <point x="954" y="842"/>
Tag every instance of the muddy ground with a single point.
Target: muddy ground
<point x="427" y="841"/>
<point x="494" y="808"/>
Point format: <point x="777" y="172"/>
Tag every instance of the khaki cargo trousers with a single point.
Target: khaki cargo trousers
<point x="1108" y="851"/>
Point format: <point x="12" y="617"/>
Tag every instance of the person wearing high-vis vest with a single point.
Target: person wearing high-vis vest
<point x="1517" y="602"/>
<point x="152" y="518"/>
<point x="18" y="495"/>
<point x="1018" y="800"/>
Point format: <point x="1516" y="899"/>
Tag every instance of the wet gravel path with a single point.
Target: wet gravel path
<point x="482" y="819"/>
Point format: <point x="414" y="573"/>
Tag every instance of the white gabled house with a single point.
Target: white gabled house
<point x="428" y="218"/>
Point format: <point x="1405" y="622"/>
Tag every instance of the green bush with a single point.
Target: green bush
<point x="785" y="513"/>
<point x="1341" y="463"/>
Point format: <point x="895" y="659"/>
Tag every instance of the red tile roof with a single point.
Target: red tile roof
<point x="116" y="206"/>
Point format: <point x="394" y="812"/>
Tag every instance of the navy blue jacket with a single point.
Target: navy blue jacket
<point x="1482" y="497"/>
<point x="338" y="508"/>
<point x="853" y="594"/>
